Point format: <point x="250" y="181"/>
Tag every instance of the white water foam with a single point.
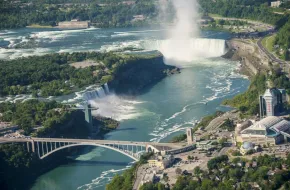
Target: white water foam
<point x="197" y="48"/>
<point x="184" y="109"/>
<point x="220" y="85"/>
<point x="17" y="53"/>
<point x="122" y="34"/>
<point x="161" y="133"/>
<point x="104" y="178"/>
<point x="118" y="108"/>
<point x="58" y="34"/>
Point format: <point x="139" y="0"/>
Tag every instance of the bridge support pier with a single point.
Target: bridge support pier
<point x="28" y="146"/>
<point x="33" y="146"/>
<point x="38" y="147"/>
<point x="42" y="150"/>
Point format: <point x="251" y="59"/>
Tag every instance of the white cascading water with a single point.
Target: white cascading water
<point x="100" y="92"/>
<point x="194" y="49"/>
<point x="118" y="108"/>
<point x="109" y="105"/>
<point x="183" y="42"/>
<point x="107" y="90"/>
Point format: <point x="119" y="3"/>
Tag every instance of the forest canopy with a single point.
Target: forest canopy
<point x="53" y="75"/>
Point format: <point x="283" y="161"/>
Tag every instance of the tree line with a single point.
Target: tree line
<point x="53" y="75"/>
<point x="45" y="12"/>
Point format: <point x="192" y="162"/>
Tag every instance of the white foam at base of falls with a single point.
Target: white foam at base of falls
<point x="187" y="50"/>
<point x="118" y="108"/>
<point x="107" y="88"/>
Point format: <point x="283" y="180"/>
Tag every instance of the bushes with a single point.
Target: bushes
<point x="243" y="9"/>
<point x="213" y="163"/>
<point x="32" y="113"/>
<point x="236" y="153"/>
<point x="248" y="102"/>
<point x="178" y="138"/>
<point x="17" y="14"/>
<point x="52" y="75"/>
<point x="207" y="119"/>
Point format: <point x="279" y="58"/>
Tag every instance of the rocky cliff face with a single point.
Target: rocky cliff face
<point x="137" y="76"/>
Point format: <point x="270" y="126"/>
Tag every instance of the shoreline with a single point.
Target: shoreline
<point x="247" y="54"/>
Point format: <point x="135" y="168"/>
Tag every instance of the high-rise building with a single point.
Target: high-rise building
<point x="276" y="3"/>
<point x="189" y="135"/>
<point x="271" y="103"/>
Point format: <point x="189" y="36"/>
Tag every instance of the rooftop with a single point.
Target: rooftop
<point x="270" y="126"/>
<point x="160" y="158"/>
<point x="248" y="145"/>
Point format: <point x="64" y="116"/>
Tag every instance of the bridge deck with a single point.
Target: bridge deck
<point x="172" y="145"/>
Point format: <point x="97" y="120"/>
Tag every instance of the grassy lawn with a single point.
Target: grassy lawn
<point x="38" y="26"/>
<point x="214" y="15"/>
<point x="254" y="41"/>
<point x="268" y="42"/>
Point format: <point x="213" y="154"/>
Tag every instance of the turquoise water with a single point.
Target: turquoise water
<point x="166" y="110"/>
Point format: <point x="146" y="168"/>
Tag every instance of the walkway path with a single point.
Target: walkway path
<point x="139" y="176"/>
<point x="62" y="140"/>
<point x="218" y="121"/>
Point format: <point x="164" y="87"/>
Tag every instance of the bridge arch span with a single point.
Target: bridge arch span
<point x="88" y="144"/>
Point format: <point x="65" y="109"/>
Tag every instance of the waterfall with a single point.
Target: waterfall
<point x="188" y="50"/>
<point x="100" y="92"/>
<point x="107" y="88"/>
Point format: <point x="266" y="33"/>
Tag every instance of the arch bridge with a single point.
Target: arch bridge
<point x="47" y="146"/>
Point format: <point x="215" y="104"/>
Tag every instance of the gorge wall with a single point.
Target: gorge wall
<point x="138" y="75"/>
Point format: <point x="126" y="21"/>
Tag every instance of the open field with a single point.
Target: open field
<point x="84" y="64"/>
<point x="268" y="42"/>
<point x="38" y="26"/>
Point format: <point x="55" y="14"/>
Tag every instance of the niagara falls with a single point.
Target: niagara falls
<point x="143" y="94"/>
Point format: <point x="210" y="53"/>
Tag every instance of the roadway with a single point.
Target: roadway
<point x="218" y="121"/>
<point x="140" y="173"/>
<point x="90" y="141"/>
<point x="269" y="54"/>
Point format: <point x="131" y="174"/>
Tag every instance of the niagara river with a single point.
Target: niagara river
<point x="163" y="111"/>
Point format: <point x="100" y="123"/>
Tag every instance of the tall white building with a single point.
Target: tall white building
<point x="271" y="103"/>
<point x="189" y="135"/>
<point x="276" y="3"/>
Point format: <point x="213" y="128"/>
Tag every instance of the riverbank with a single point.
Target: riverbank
<point x="247" y="52"/>
<point x="252" y="63"/>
